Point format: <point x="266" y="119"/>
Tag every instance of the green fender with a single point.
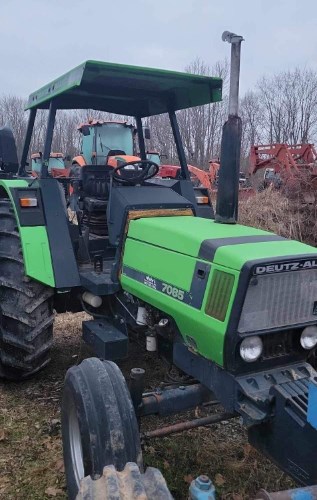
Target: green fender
<point x="34" y="240"/>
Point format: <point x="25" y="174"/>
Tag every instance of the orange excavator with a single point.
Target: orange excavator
<point x="205" y="178"/>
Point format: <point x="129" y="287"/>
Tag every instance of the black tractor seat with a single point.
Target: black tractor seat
<point x="8" y="152"/>
<point x="94" y="181"/>
<point x="93" y="191"/>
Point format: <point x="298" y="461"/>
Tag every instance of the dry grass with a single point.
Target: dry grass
<point x="286" y="215"/>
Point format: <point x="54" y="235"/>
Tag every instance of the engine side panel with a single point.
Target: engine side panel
<point x="178" y="285"/>
<point x="162" y="260"/>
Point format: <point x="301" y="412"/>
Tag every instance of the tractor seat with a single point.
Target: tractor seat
<point x="8" y="151"/>
<point x="94" y="181"/>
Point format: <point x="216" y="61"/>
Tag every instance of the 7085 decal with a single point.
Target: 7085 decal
<point x="173" y="291"/>
<point x="193" y="297"/>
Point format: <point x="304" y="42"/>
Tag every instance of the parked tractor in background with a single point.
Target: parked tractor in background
<point x="56" y="165"/>
<point x="106" y="142"/>
<point x="114" y="142"/>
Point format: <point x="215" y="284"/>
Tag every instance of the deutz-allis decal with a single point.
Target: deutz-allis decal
<point x="284" y="267"/>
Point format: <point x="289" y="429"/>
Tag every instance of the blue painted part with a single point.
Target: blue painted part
<point x="312" y="404"/>
<point x="302" y="495"/>
<point x="201" y="489"/>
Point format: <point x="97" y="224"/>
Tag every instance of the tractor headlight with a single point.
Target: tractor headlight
<point x="308" y="338"/>
<point x="251" y="348"/>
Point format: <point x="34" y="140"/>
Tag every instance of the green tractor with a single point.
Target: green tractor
<point x="232" y="308"/>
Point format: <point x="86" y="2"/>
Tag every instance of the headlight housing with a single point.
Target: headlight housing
<point x="251" y="348"/>
<point x="308" y="337"/>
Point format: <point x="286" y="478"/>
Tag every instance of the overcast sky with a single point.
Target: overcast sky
<point x="41" y="39"/>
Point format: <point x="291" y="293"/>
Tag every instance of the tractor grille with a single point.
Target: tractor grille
<point x="279" y="300"/>
<point x="280" y="344"/>
<point x="219" y="295"/>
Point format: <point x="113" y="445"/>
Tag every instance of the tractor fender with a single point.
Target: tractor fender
<point x="34" y="239"/>
<point x="45" y="238"/>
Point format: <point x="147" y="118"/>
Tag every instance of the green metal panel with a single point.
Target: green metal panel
<point x="237" y="255"/>
<point x="167" y="249"/>
<point x="149" y="259"/>
<point x="69" y="80"/>
<point x="196" y="327"/>
<point x="127" y="90"/>
<point x="36" y="254"/>
<point x="186" y="234"/>
<point x="35" y="245"/>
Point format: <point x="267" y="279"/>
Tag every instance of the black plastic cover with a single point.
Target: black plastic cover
<point x="105" y="339"/>
<point x="127" y="198"/>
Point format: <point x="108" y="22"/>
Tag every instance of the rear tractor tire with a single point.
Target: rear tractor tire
<point x="26" y="307"/>
<point x="99" y="425"/>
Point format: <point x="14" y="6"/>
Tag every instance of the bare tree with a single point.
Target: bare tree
<point x="201" y="126"/>
<point x="12" y="114"/>
<point x="289" y="102"/>
<point x="251" y="114"/>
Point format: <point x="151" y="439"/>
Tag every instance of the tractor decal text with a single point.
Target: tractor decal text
<point x="194" y="297"/>
<point x="173" y="291"/>
<point x="283" y="267"/>
<point x="149" y="281"/>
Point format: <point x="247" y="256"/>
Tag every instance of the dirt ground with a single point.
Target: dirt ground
<point x="31" y="465"/>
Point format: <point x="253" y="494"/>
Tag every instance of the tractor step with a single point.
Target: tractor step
<point x="105" y="339"/>
<point x="99" y="282"/>
<point x="289" y="439"/>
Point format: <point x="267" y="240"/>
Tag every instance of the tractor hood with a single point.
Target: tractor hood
<point x="230" y="246"/>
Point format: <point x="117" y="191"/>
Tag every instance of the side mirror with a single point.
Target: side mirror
<point x="85" y="130"/>
<point x="147" y="133"/>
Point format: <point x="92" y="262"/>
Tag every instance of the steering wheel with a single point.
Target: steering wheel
<point x="142" y="171"/>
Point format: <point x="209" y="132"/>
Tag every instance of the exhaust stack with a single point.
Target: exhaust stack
<point x="228" y="182"/>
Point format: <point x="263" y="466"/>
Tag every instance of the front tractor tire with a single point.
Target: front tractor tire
<point x="26" y="307"/>
<point x="99" y="425"/>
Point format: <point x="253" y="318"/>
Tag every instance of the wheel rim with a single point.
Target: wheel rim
<point x="76" y="450"/>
